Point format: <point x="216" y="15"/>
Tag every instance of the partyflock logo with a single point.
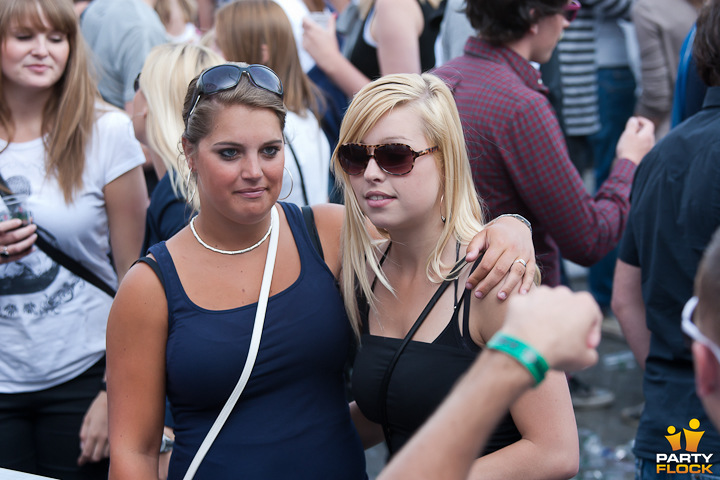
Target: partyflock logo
<point x="689" y="462"/>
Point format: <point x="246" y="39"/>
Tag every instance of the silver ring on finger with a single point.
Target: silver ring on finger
<point x="521" y="262"/>
<point x="4" y="252"/>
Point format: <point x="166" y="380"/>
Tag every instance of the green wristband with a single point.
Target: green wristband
<point x="526" y="355"/>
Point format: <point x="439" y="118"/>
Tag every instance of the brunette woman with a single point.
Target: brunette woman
<point x="76" y="163"/>
<point x="192" y="333"/>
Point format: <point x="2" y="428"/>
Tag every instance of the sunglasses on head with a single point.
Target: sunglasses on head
<point x="392" y="158"/>
<point x="570" y="11"/>
<point x="224" y="77"/>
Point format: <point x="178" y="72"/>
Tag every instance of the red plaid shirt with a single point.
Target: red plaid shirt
<point x="520" y="161"/>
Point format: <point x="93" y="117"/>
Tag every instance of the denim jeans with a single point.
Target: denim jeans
<point x="645" y="470"/>
<point x="616" y="101"/>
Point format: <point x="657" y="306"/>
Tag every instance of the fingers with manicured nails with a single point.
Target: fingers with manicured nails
<point x="528" y="276"/>
<point x="516" y="277"/>
<point x="506" y="239"/>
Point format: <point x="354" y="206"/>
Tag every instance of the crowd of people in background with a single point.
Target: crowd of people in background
<point x="385" y="174"/>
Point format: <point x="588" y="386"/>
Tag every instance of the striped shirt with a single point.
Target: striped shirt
<point x="578" y="65"/>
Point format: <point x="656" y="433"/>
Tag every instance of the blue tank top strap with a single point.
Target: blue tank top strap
<point x="174" y="291"/>
<point x="299" y="228"/>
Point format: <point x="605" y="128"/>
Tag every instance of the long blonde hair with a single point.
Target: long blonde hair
<point x="435" y="107"/>
<point x="164" y="82"/>
<point x="244" y="27"/>
<point x="69" y="115"/>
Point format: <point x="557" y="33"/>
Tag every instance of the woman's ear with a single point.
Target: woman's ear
<point x="189" y="152"/>
<point x="264" y="53"/>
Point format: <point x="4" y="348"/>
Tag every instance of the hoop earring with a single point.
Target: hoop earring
<point x="442" y="217"/>
<point x="187" y="188"/>
<point x="292" y="185"/>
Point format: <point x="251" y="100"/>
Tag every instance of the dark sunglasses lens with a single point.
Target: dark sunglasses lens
<point x="220" y="78"/>
<point x="395" y="159"/>
<point x="136" y="84"/>
<point x="570" y="12"/>
<point x="353" y="158"/>
<point x="265" y="78"/>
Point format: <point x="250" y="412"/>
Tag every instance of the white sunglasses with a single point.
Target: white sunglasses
<point x="692" y="331"/>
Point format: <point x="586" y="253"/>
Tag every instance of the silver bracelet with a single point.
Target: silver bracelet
<point x="517" y="217"/>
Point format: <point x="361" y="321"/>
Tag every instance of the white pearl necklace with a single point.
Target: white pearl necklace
<point x="227" y="252"/>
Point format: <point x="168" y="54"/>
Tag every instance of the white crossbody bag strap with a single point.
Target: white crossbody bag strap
<point x="252" y="353"/>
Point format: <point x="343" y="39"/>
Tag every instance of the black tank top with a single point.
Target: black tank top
<point x="423" y="377"/>
<point x="364" y="56"/>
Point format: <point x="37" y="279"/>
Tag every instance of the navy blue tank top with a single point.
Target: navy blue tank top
<point x="292" y="420"/>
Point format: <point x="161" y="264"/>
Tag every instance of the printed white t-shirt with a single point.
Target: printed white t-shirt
<point x="52" y="323"/>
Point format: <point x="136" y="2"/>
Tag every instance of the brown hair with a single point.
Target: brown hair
<point x="706" y="48"/>
<point x="502" y="21"/>
<point x="69" y="115"/>
<point x="244" y="27"/>
<point x="200" y="123"/>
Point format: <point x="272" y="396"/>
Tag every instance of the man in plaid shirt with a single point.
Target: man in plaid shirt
<point x="518" y="155"/>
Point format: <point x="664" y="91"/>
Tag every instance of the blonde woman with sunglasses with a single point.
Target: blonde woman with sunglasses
<point x="403" y="165"/>
<point x="189" y="329"/>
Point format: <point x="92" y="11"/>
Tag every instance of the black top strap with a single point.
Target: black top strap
<point x="61" y="258"/>
<point x="391" y="366"/>
<point x="150" y="262"/>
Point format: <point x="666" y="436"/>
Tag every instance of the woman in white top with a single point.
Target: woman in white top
<point x="258" y="31"/>
<point x="77" y="163"/>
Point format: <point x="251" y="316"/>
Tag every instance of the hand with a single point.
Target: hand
<point x="17" y="239"/>
<point x="321" y="43"/>
<point x="94" y="443"/>
<point x="637" y="139"/>
<point x="504" y="240"/>
<point x="562" y="325"/>
<point x="164" y="459"/>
